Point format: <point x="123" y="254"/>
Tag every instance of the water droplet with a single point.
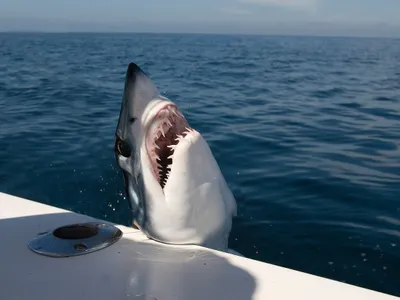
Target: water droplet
<point x="363" y="254"/>
<point x="393" y="245"/>
<point x="384" y="267"/>
<point x="331" y="262"/>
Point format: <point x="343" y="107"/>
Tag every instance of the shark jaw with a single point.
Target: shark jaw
<point x="175" y="187"/>
<point x="167" y="128"/>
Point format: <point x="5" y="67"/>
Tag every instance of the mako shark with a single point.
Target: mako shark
<point x="174" y="185"/>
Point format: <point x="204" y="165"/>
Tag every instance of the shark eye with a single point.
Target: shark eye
<point x="122" y="148"/>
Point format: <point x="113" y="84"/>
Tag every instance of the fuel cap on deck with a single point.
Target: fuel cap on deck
<point x="75" y="239"/>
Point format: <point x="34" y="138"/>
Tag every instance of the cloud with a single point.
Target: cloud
<point x="286" y="3"/>
<point x="235" y="11"/>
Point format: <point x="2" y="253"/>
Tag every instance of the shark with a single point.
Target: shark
<point x="176" y="191"/>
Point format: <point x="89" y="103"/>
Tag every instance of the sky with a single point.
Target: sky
<point x="298" y="17"/>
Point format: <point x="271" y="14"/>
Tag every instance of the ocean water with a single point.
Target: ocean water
<point x="306" y="131"/>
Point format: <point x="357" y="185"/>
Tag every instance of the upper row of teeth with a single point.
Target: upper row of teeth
<point x="160" y="129"/>
<point x="173" y="111"/>
<point x="179" y="136"/>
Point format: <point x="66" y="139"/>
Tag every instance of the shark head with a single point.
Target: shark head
<point x="174" y="185"/>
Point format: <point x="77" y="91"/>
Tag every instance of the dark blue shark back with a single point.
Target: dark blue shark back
<point x="125" y="145"/>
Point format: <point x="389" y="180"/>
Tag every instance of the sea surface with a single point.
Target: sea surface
<point x="306" y="131"/>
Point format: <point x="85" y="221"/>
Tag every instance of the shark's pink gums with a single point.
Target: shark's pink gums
<point x="165" y="130"/>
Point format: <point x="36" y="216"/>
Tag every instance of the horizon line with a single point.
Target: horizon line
<point x="195" y="33"/>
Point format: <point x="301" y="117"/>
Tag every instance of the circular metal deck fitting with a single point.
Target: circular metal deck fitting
<point x="75" y="239"/>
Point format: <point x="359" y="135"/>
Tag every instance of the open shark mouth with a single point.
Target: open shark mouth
<point x="165" y="131"/>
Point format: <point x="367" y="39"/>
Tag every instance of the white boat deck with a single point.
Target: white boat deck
<point x="137" y="268"/>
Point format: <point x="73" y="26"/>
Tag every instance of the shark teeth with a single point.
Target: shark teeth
<point x="162" y="129"/>
<point x="167" y="129"/>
